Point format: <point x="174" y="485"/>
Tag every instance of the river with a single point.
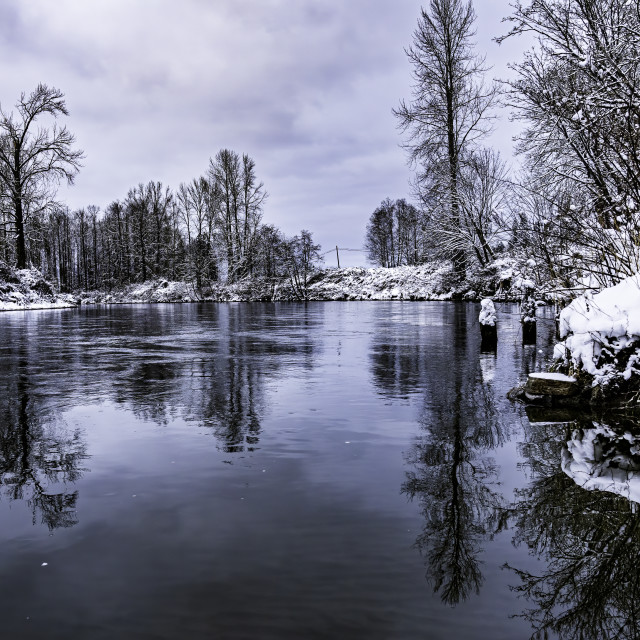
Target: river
<point x="321" y="470"/>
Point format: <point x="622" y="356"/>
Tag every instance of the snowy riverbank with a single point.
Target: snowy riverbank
<point x="426" y="282"/>
<point x="27" y="289"/>
<point x="433" y="281"/>
<point x="505" y="279"/>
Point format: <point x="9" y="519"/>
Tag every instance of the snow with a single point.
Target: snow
<point x="26" y="289"/>
<point x="487" y="313"/>
<point x="424" y="282"/>
<point x="553" y="376"/>
<point x="598" y="459"/>
<point x="528" y="310"/>
<point x="613" y="312"/>
<point x="610" y="318"/>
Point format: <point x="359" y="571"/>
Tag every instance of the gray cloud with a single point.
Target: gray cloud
<point x="306" y="87"/>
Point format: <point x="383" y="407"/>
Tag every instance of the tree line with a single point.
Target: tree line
<point x="573" y="206"/>
<point x="209" y="229"/>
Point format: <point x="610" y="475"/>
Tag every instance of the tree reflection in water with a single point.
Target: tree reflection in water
<point x="452" y="477"/>
<point x="38" y="457"/>
<point x="218" y="378"/>
<point x="205" y="364"/>
<point x="590" y="541"/>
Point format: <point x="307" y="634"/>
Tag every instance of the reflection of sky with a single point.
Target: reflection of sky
<point x="166" y="525"/>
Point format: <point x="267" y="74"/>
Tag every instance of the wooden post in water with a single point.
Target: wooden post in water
<point x="559" y="306"/>
<point x="488" y="326"/>
<point x="338" y="256"/>
<point x="528" y="319"/>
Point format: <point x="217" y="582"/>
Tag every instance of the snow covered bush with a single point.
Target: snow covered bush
<point x="528" y="310"/>
<point x="601" y="341"/>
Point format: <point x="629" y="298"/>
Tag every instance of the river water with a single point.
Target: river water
<point x="329" y="470"/>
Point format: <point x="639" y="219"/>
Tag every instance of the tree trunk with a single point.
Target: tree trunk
<point x="21" y="250"/>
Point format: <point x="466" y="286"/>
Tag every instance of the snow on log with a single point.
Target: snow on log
<point x="487" y="313"/>
<point x="551" y="384"/>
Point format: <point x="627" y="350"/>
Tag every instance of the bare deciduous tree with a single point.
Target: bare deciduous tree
<point x="301" y="256"/>
<point x="578" y="90"/>
<point x="34" y="160"/>
<point x="241" y="198"/>
<point x="483" y="217"/>
<point x="450" y="107"/>
<point x="394" y="234"/>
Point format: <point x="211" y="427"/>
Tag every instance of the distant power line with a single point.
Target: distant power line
<point x="340" y="249"/>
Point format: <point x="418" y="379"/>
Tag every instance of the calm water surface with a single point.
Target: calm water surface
<point x="330" y="470"/>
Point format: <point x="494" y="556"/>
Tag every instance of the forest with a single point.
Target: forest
<point x="208" y="225"/>
<point x="569" y="203"/>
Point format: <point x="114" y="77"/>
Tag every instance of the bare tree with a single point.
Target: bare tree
<point x="137" y="205"/>
<point x="380" y="240"/>
<point x="301" y="257"/>
<point x="34" y="161"/>
<point x="270" y="249"/>
<point x="159" y="199"/>
<point x="450" y="107"/>
<point x="395" y="234"/>
<point x="578" y="90"/>
<point x="194" y="201"/>
<point x="240" y="202"/>
<point x="409" y="234"/>
<point x="484" y="215"/>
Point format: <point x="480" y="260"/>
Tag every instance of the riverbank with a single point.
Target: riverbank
<point x="504" y="279"/>
<point x="597" y="360"/>
<point x="27" y="289"/>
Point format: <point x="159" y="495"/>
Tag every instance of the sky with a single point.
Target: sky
<point x="305" y="87"/>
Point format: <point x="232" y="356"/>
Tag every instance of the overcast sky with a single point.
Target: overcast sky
<point x="305" y="87"/>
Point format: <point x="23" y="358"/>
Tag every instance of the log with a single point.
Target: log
<point x="551" y="384"/>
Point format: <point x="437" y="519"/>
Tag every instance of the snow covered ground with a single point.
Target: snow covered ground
<point x="27" y="289"/>
<point x="506" y="279"/>
<point x="426" y="282"/>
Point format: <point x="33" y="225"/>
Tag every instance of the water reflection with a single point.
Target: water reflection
<point x="204" y="364"/>
<point x="39" y="457"/>
<point x="589" y="587"/>
<point x="604" y="457"/>
<point x="451" y="475"/>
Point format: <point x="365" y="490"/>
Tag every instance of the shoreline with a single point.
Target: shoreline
<point x="431" y="282"/>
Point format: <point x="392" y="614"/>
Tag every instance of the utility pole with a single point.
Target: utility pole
<point x="338" y="256"/>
